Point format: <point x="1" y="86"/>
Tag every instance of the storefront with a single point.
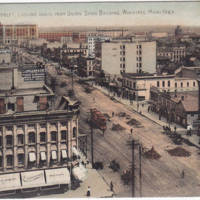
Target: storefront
<point x="32" y="181"/>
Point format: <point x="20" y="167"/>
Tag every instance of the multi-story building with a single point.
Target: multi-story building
<point x="38" y="135"/>
<point x="179" y="107"/>
<point x="91" y="40"/>
<point x="128" y="57"/>
<point x="112" y="32"/>
<point x="138" y="86"/>
<point x="5" y="56"/>
<point x="175" y="53"/>
<point x="53" y="36"/>
<point x="15" y="34"/>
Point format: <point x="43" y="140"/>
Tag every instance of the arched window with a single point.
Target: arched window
<point x="20" y="139"/>
<point x="42" y="137"/>
<point x="9" y="140"/>
<point x="53" y="136"/>
<point x="31" y="137"/>
<point x="63" y="135"/>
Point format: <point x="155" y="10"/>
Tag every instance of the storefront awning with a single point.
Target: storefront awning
<point x="43" y="155"/>
<point x="64" y="154"/>
<point x="80" y="172"/>
<point x="57" y="176"/>
<point x="32" y="157"/>
<point x="10" y="182"/>
<point x="53" y="155"/>
<point x="33" y="179"/>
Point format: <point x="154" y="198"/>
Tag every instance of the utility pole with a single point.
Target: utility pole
<point x="91" y="127"/>
<point x="133" y="169"/>
<point x="140" y="169"/>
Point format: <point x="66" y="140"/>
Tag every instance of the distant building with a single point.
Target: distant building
<point x="112" y="32"/>
<point x="5" y="56"/>
<point x="53" y="36"/>
<point x="159" y="34"/>
<point x="179" y="107"/>
<point x="128" y="57"/>
<point x="15" y="34"/>
<point x="138" y="86"/>
<point x="174" y="53"/>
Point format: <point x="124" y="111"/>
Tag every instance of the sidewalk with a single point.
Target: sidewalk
<point x="99" y="188"/>
<point x="143" y="110"/>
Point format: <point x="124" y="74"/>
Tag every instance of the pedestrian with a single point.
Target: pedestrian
<point x="111" y="186"/>
<point x="113" y="114"/>
<point x="131" y="130"/>
<point x="88" y="191"/>
<point x="183" y="174"/>
<point x="175" y="129"/>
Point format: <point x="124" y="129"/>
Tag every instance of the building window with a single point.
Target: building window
<point x="9" y="159"/>
<point x="20" y="159"/>
<point x="2" y="106"/>
<point x="11" y="106"/>
<point x="140" y="65"/>
<point x="134" y="85"/>
<point x="181" y="84"/>
<point x="20" y="139"/>
<point x="42" y="137"/>
<point x="31" y="137"/>
<point x="9" y="140"/>
<point x="1" y="161"/>
<point x="63" y="135"/>
<point x="20" y="104"/>
<point x="53" y="136"/>
<point x="74" y="132"/>
<point x="193" y="84"/>
<point x="188" y="84"/>
<point x="158" y="84"/>
<point x="168" y="83"/>
<point x="124" y="65"/>
<point x="1" y="141"/>
<point x="175" y="85"/>
<point x="163" y="83"/>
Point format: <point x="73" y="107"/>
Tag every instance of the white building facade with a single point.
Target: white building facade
<point x="128" y="57"/>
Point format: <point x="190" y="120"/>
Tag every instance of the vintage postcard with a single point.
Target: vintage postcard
<point x="100" y="99"/>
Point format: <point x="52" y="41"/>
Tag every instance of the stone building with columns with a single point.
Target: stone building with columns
<point x="38" y="134"/>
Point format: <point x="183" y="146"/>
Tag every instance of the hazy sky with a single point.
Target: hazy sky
<point x="119" y="14"/>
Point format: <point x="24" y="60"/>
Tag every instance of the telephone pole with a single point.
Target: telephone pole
<point x="92" y="141"/>
<point x="133" y="169"/>
<point x="140" y="169"/>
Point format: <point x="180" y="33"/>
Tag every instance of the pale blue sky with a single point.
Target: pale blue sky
<point x="182" y="13"/>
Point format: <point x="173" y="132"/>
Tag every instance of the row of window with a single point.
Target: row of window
<point x="32" y="137"/>
<point x="164" y="83"/>
<point x="32" y="158"/>
<point x="176" y="84"/>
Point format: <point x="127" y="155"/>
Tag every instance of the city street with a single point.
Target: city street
<point x="160" y="177"/>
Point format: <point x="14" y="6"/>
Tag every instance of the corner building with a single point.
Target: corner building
<point x="38" y="134"/>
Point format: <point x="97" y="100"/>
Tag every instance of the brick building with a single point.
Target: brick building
<point x="38" y="135"/>
<point x="14" y="34"/>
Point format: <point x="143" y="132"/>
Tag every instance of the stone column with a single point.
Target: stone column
<point x="48" y="144"/>
<point x="4" y="148"/>
<point x="15" y="158"/>
<point x="58" y="141"/>
<point x="26" y="146"/>
<point x="37" y="144"/>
